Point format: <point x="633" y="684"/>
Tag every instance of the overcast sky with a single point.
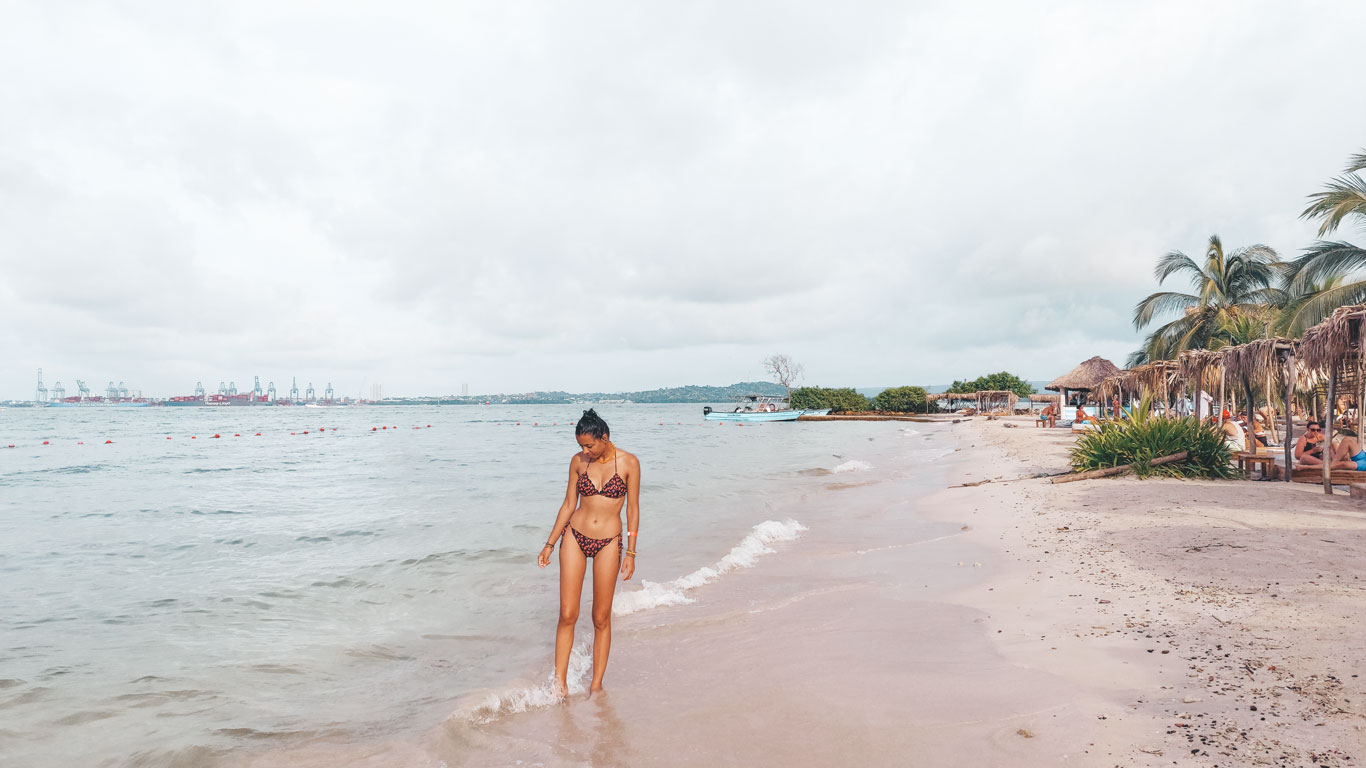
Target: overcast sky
<point x="620" y="196"/>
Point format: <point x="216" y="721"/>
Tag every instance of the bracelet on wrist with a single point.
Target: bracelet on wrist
<point x="630" y="552"/>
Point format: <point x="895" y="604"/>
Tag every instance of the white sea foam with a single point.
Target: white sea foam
<point x="907" y="431"/>
<point x="743" y="555"/>
<point x="853" y="465"/>
<point x="486" y="707"/>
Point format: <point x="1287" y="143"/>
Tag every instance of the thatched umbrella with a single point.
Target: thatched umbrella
<point x="1087" y="377"/>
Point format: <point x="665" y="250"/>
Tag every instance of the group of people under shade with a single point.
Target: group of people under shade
<point x="1243" y="433"/>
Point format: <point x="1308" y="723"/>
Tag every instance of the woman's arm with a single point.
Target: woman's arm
<point x="571" y="495"/>
<point x="628" y="559"/>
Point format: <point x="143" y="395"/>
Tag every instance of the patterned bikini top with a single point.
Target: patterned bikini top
<point x="614" y="488"/>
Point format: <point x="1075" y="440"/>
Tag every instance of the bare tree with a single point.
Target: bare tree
<point x="785" y="371"/>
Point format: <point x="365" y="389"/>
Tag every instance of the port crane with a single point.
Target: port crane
<point x="82" y="390"/>
<point x="123" y="391"/>
<point x="111" y="392"/>
<point x="256" y="393"/>
<point x="41" y="394"/>
<point x="199" y="390"/>
<point x="327" y="393"/>
<point x="308" y="393"/>
<point x="270" y="392"/>
<point x="294" y="389"/>
<point x="58" y="393"/>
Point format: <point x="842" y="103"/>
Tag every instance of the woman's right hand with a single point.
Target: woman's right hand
<point x="543" y="559"/>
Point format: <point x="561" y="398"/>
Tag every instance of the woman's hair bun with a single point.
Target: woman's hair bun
<point x="591" y="424"/>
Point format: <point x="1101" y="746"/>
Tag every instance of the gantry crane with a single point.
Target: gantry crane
<point x="40" y="396"/>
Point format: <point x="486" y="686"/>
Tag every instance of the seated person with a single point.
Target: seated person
<point x="1048" y="416"/>
<point x="1258" y="433"/>
<point x="1348" y="454"/>
<point x="1309" y="448"/>
<point x="1081" y="417"/>
<point x="1234" y="436"/>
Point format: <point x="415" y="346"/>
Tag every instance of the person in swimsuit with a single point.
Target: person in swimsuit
<point x="592" y="513"/>
<point x="1309" y="448"/>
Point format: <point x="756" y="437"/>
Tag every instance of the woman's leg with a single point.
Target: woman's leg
<point x="572" y="567"/>
<point x="606" y="567"/>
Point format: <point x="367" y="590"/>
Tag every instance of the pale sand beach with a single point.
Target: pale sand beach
<point x="1112" y="622"/>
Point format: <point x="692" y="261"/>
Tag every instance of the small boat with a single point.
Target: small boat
<point x="759" y="408"/>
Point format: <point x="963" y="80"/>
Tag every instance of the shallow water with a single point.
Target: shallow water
<point x="174" y="601"/>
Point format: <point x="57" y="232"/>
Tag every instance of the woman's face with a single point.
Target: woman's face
<point x="594" y="447"/>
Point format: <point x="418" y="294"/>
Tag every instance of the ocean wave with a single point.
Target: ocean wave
<point x="743" y="555"/>
<point x="907" y="431"/>
<point x="483" y="707"/>
<point x="853" y="465"/>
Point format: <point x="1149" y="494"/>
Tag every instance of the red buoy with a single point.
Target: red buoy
<point x="372" y="429"/>
<point x="215" y="434"/>
<point x="258" y="434"/>
<point x="192" y="437"/>
<point x="44" y="442"/>
<point x="168" y="437"/>
<point x="107" y="442"/>
<point x="236" y="434"/>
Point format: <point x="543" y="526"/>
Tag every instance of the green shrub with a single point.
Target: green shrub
<point x="902" y="399"/>
<point x="994" y="382"/>
<point x="816" y="398"/>
<point x="1144" y="437"/>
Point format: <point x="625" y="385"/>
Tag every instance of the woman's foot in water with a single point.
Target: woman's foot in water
<point x="596" y="687"/>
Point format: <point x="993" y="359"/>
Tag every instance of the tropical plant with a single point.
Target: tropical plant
<point x="816" y="398"/>
<point x="1145" y="436"/>
<point x="995" y="382"/>
<point x="1318" y="279"/>
<point x="1227" y="286"/>
<point x="901" y="399"/>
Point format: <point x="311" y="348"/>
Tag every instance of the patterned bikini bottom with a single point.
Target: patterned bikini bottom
<point x="591" y="547"/>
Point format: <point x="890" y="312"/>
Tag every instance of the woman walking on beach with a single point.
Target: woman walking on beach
<point x="600" y="476"/>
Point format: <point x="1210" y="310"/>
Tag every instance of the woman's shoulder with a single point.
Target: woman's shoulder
<point x="628" y="458"/>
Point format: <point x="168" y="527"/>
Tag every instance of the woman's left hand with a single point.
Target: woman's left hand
<point x="628" y="567"/>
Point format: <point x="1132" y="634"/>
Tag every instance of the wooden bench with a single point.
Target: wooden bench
<point x="1337" y="477"/>
<point x="1247" y="460"/>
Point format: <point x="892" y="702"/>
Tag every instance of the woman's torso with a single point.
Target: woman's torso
<point x="598" y="514"/>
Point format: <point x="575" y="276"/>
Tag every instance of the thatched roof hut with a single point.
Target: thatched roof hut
<point x="1088" y="376"/>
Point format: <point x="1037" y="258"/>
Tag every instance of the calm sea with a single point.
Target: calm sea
<point x="271" y="576"/>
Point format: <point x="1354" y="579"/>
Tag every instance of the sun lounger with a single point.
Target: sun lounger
<point x="1337" y="477"/>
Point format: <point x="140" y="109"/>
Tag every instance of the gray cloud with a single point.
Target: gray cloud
<point x="427" y="194"/>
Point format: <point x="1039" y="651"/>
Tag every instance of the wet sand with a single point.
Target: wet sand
<point x="1111" y="622"/>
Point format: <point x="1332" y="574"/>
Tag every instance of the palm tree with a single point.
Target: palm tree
<point x="1226" y="288"/>
<point x="1319" y="277"/>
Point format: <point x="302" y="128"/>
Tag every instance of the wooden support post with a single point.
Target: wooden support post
<point x="1199" y="381"/>
<point x="1328" y="428"/>
<point x="1289" y="442"/>
<point x="1222" y="375"/>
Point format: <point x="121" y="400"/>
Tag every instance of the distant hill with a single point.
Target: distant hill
<point x="704" y="394"/>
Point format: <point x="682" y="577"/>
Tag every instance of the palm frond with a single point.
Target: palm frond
<point x="1345" y="196"/>
<point x="1161" y="303"/>
<point x="1265" y="298"/>
<point x="1313" y="307"/>
<point x="1323" y="261"/>
<point x="1356" y="163"/>
<point x="1174" y="262"/>
<point x="1136" y="358"/>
